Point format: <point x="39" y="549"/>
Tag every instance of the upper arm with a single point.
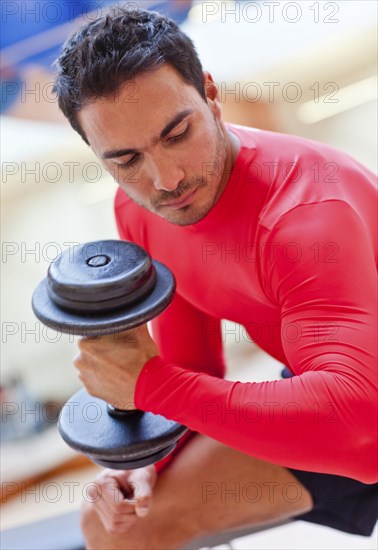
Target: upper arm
<point x="325" y="284"/>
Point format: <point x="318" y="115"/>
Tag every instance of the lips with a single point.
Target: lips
<point x="181" y="202"/>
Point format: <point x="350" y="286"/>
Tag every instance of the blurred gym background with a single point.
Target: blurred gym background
<point x="307" y="68"/>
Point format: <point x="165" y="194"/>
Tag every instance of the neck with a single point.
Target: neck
<point x="232" y="147"/>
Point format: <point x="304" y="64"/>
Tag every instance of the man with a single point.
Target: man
<point x="271" y="231"/>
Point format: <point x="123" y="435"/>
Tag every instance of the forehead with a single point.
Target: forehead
<point x="139" y="110"/>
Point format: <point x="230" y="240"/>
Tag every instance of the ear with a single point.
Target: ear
<point x="211" y="90"/>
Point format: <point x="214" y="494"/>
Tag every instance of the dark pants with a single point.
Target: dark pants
<point x="340" y="502"/>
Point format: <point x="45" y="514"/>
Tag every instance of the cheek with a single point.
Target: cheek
<point x="133" y="191"/>
<point x="201" y="153"/>
<point x="131" y="181"/>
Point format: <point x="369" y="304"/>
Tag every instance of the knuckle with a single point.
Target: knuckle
<point x="118" y="513"/>
<point x="126" y="508"/>
<point x="77" y="360"/>
<point x="147" y="475"/>
<point x="92" y="491"/>
<point x="105" y="476"/>
<point x="112" y="493"/>
<point x="83" y="344"/>
<point x="100" y="480"/>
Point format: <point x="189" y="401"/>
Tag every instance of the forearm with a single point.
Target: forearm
<point x="299" y="423"/>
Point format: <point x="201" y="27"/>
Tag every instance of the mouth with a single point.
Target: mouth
<point x="188" y="199"/>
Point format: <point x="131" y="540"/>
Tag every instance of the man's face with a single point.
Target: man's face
<point x="164" y="145"/>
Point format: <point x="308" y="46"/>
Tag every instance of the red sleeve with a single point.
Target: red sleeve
<point x="325" y="418"/>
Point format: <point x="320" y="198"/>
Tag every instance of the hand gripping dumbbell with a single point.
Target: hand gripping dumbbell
<point x="99" y="288"/>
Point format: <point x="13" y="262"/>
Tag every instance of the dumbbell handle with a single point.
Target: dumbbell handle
<point x="119" y="413"/>
<point x="116" y="412"/>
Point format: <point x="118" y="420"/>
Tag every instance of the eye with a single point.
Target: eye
<point x="180" y="136"/>
<point x="130" y="162"/>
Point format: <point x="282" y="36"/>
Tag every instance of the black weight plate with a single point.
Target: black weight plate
<point x="126" y="464"/>
<point x="98" y="324"/>
<point x="86" y="426"/>
<point x="98" y="275"/>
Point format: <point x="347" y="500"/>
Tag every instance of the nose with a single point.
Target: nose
<point x="166" y="175"/>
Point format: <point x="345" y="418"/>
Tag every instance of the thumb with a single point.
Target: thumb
<point x="143" y="487"/>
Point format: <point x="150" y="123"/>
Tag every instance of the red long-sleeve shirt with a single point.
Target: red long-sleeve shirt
<point x="289" y="251"/>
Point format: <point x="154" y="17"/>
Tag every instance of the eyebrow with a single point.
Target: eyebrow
<point x="179" y="117"/>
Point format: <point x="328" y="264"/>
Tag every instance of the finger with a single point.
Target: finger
<point x="78" y="360"/>
<point x="123" y="491"/>
<point x="88" y="340"/>
<point x="143" y="489"/>
<point x="114" y="496"/>
<point x="114" y="516"/>
<point x="117" y="516"/>
<point x="114" y="499"/>
<point x="93" y="345"/>
<point x="114" y="524"/>
<point x="117" y="492"/>
<point x="83" y="363"/>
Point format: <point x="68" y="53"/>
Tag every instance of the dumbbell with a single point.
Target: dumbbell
<point x="95" y="289"/>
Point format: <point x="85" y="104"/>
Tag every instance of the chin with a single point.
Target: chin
<point x="187" y="215"/>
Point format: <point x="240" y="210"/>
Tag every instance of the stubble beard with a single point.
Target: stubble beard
<point x="191" y="214"/>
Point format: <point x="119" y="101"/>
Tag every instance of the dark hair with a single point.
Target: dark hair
<point x="102" y="55"/>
